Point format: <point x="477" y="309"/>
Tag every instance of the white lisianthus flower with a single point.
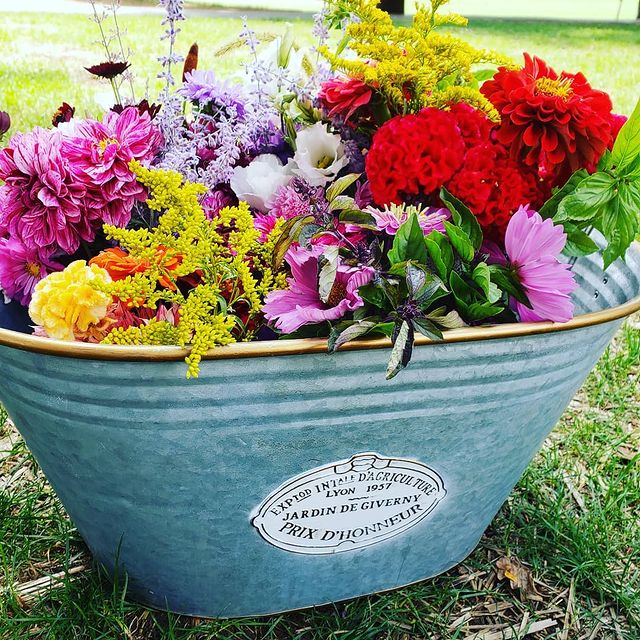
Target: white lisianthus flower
<point x="258" y="183"/>
<point x="319" y="155"/>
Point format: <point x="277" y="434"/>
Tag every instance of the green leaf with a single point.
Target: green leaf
<point x="307" y="233"/>
<point x="448" y="320"/>
<point x="408" y="243"/>
<point x="619" y="225"/>
<point x="550" y="207"/>
<point x="627" y="145"/>
<point x="384" y="328"/>
<point x="578" y="241"/>
<point x="441" y="253"/>
<point x="290" y="232"/>
<point x="402" y="349"/>
<point x="373" y="294"/>
<point x="508" y="281"/>
<point x="586" y="201"/>
<point x="468" y="302"/>
<point x="328" y="272"/>
<point x="460" y="241"/>
<point x="482" y="277"/>
<point x="356" y="330"/>
<point x="341" y="185"/>
<point x="463" y="217"/>
<point x="427" y="328"/>
<point x="421" y="283"/>
<point x="361" y="218"/>
<point x="340" y="203"/>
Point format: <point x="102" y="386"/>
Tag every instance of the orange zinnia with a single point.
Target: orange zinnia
<point x="119" y="264"/>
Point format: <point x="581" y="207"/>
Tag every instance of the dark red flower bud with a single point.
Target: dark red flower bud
<point x="143" y="107"/>
<point x="109" y="69"/>
<point x="5" y="122"/>
<point x="191" y="61"/>
<point x="63" y="114"/>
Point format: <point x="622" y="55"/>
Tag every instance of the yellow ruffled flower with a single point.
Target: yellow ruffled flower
<point x="66" y="304"/>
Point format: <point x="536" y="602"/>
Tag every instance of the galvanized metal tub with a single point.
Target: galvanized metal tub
<point x="194" y="488"/>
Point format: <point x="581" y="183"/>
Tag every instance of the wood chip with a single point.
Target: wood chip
<point x="30" y="591"/>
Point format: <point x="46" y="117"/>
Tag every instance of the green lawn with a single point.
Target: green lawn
<point x="573" y="520"/>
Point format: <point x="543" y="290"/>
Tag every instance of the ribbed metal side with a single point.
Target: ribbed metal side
<point x="169" y="471"/>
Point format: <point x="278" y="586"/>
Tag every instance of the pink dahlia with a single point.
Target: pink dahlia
<point x="22" y="268"/>
<point x="532" y="245"/>
<point x="41" y="203"/>
<point x="99" y="154"/>
<point x="301" y="303"/>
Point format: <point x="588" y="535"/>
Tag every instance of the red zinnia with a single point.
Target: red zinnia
<point x="413" y="154"/>
<point x="557" y="124"/>
<point x="343" y="96"/>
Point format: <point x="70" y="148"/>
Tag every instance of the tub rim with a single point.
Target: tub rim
<point x="300" y="346"/>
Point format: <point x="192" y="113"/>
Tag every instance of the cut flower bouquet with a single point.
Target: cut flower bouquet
<point x="394" y="180"/>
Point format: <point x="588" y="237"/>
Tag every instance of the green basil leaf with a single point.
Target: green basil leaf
<point x="340" y="186"/>
<point x="447" y="319"/>
<point x="508" y="281"/>
<point x="355" y="330"/>
<point x="463" y="218"/>
<point x="619" y="225"/>
<point x="460" y="241"/>
<point x="328" y="272"/>
<point x="408" y="243"/>
<point x="627" y="145"/>
<point x="586" y="201"/>
<point x="373" y="294"/>
<point x="578" y="242"/>
<point x="550" y="207"/>
<point x="360" y="218"/>
<point x="427" y="328"/>
<point x="342" y="203"/>
<point x="402" y="350"/>
<point x="441" y="253"/>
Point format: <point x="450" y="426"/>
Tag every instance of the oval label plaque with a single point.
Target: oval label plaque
<point x="348" y="504"/>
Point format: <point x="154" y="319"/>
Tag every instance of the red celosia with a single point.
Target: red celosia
<point x="413" y="154"/>
<point x="493" y="186"/>
<point x="474" y="125"/>
<point x="555" y="123"/>
<point x="341" y="97"/>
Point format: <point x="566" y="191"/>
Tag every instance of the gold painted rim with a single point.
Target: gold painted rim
<point x="269" y="348"/>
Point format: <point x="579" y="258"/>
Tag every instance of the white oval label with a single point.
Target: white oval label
<point x="348" y="504"/>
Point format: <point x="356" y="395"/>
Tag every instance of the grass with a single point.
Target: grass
<point x="42" y="59"/>
<point x="572" y="521"/>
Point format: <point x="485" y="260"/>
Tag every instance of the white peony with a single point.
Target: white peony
<point x="258" y="183"/>
<point x="319" y="155"/>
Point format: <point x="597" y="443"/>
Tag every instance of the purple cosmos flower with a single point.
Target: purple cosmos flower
<point x="22" y="268"/>
<point x="203" y="88"/>
<point x="532" y="245"/>
<point x="301" y="303"/>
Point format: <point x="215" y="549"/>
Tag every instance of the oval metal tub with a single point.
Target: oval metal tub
<point x="284" y="477"/>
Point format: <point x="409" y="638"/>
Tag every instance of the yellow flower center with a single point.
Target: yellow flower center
<point x="32" y="268"/>
<point x="103" y="144"/>
<point x="324" y="162"/>
<point x="560" y="87"/>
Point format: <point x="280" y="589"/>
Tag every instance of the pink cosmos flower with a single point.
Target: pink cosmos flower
<point x="22" y="268"/>
<point x="391" y="218"/>
<point x="41" y="203"/>
<point x="99" y="154"/>
<point x="301" y="303"/>
<point x="532" y="245"/>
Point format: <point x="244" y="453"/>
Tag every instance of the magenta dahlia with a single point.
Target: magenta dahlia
<point x="41" y="203"/>
<point x="99" y="154"/>
<point x="22" y="268"/>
